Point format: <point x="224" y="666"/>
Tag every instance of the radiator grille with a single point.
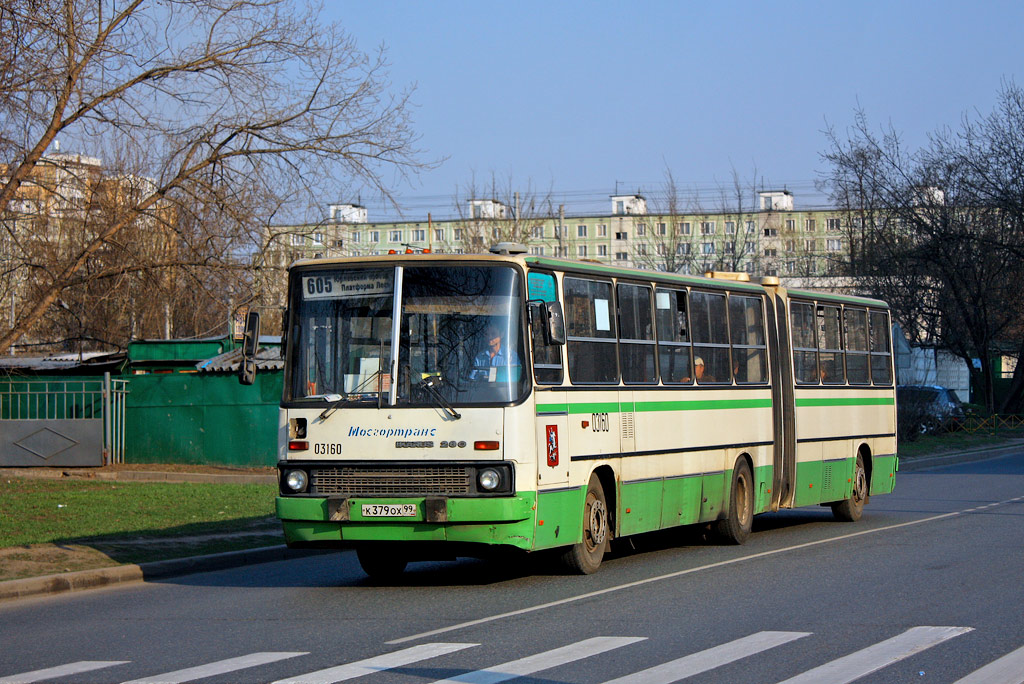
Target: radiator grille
<point x="407" y="481"/>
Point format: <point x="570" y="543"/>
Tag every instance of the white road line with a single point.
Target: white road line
<point x="218" y="668"/>
<point x="543" y="661"/>
<point x="60" y="671"/>
<point x="688" y="666"/>
<point x="672" y="575"/>
<point x="1007" y="670"/>
<point x="376" y="664"/>
<point x="874" y="658"/>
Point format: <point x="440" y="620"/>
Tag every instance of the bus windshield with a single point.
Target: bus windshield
<point x="460" y="338"/>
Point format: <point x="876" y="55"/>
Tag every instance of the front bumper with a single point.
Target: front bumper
<point x="334" y="521"/>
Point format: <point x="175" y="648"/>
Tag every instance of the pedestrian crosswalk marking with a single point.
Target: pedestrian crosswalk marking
<point x="543" y="661"/>
<point x="60" y="671"/>
<point x="218" y="668"/>
<point x="1006" y="670"/>
<point x="693" y="664"/>
<point x="873" y="658"/>
<point x="849" y="668"/>
<point x="382" y="662"/>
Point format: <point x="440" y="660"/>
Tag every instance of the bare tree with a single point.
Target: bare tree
<point x="944" y="255"/>
<point x="231" y="109"/>
<point x="505" y="212"/>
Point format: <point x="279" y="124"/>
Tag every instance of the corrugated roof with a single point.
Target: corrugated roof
<point x="267" y="358"/>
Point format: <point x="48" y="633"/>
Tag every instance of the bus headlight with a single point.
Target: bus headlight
<point x="489" y="479"/>
<point x="296" y="480"/>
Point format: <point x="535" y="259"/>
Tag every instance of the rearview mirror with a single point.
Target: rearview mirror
<point x="250" y="345"/>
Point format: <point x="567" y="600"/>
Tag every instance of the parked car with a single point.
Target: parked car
<point x="928" y="409"/>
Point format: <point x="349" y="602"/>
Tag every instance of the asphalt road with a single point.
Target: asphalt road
<point x="926" y="588"/>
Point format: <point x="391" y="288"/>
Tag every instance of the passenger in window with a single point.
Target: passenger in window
<point x="494" y="356"/>
<point x="698" y="372"/>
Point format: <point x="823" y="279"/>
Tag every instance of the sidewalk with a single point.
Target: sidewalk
<point x="102" y="577"/>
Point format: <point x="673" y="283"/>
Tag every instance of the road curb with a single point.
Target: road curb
<point x="124" y="574"/>
<point x="927" y="462"/>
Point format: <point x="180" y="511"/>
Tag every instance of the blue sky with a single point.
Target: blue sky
<point x="573" y="97"/>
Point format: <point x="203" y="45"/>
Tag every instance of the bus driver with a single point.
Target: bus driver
<point x="493" y="356"/>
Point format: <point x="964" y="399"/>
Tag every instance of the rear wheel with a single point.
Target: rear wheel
<point x="735" y="527"/>
<point x="381" y="562"/>
<point x="585" y="557"/>
<point x="850" y="510"/>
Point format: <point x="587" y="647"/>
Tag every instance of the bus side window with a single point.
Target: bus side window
<point x="805" y="349"/>
<point x="547" y="358"/>
<point x="749" y="350"/>
<point x="673" y="335"/>
<point x="881" y="358"/>
<point x="636" y="337"/>
<point x="857" y="350"/>
<point x="709" y="317"/>
<point x="590" y="334"/>
<point x="830" y="347"/>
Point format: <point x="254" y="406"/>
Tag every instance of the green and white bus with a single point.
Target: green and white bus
<point x="436" y="405"/>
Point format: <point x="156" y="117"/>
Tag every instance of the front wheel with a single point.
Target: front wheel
<point x="585" y="557"/>
<point x="735" y="527"/>
<point x="850" y="510"/>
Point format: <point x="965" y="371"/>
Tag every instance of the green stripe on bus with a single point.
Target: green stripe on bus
<point x="648" y="406"/>
<point x="846" y="401"/>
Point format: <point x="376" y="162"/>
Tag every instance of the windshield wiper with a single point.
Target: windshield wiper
<point x="430" y="385"/>
<point x="338" y="399"/>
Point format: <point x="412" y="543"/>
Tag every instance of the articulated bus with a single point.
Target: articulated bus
<point x="442" y="405"/>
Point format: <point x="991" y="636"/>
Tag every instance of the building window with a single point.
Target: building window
<point x="771" y="232"/>
<point x="661" y="249"/>
<point x="809" y="246"/>
<point x="374" y="236"/>
<point x="790" y="224"/>
<point x="770" y="253"/>
<point x="537" y="251"/>
<point x="395" y="236"/>
<point x="356" y="236"/>
<point x="751" y="227"/>
<point x="834" y="245"/>
<point x="622" y="236"/>
<point x="621" y="256"/>
<point x="684" y="228"/>
<point x="318" y="238"/>
<point x="495" y="233"/>
<point x="730" y="247"/>
<point x="641" y="229"/>
<point x="581" y="251"/>
<point x="537" y="232"/>
<point x="602" y="230"/>
<point x="581" y="231"/>
<point x="790" y="245"/>
<point x="602" y="250"/>
<point x="730" y="227"/>
<point x="683" y="248"/>
<point x="707" y="248"/>
<point x="458" y="236"/>
<point x="707" y="227"/>
<point x="439" y="234"/>
<point x="419" y="235"/>
<point x="620" y="207"/>
<point x="641" y="250"/>
<point x="748" y="247"/>
<point x="809" y="225"/>
<point x="661" y="229"/>
<point x="832" y="225"/>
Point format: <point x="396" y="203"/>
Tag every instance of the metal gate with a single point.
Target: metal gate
<point x="57" y="423"/>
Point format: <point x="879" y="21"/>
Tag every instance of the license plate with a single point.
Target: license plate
<point x="389" y="510"/>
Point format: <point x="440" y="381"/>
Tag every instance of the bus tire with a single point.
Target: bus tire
<point x="585" y="557"/>
<point x="735" y="527"/>
<point x="380" y="562"/>
<point x="850" y="510"/>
